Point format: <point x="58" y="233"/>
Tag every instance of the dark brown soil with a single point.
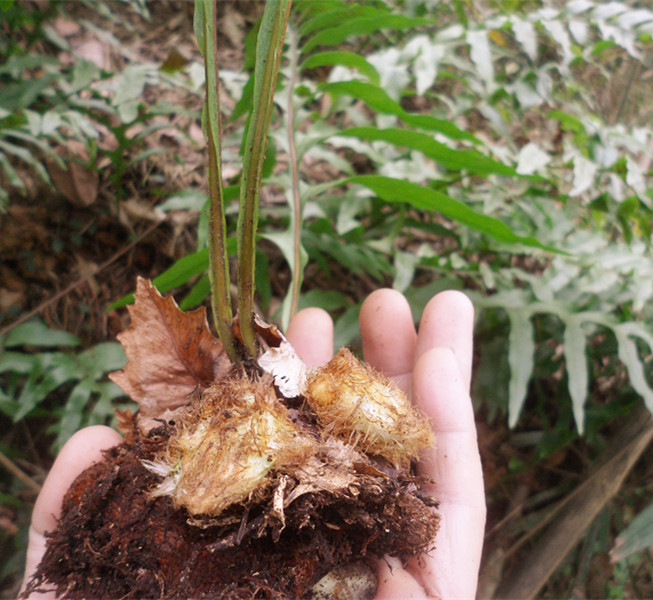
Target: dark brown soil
<point x="116" y="541"/>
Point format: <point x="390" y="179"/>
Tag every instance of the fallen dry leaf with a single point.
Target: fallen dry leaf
<point x="76" y="182"/>
<point x="170" y="353"/>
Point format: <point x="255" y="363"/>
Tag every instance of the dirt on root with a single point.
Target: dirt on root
<point x="115" y="540"/>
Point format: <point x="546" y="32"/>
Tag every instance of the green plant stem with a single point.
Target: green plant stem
<point x="296" y="211"/>
<point x="219" y="260"/>
<point x="269" y="49"/>
<point x="206" y="30"/>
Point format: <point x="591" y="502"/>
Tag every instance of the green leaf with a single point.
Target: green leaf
<point x="18" y="362"/>
<point x="84" y="72"/>
<point x="103" y="409"/>
<point x="347" y="59"/>
<point x="13" y="178"/>
<point x="73" y="411"/>
<point x="51" y="371"/>
<point x="567" y="121"/>
<point x="378" y="100"/>
<point x="146" y="154"/>
<point x="244" y="104"/>
<point x="405" y="264"/>
<point x="36" y="333"/>
<point x="297" y="258"/>
<point x="27" y="156"/>
<point x="470" y="161"/>
<point x="16" y="64"/>
<point x="17" y="96"/>
<point x="329" y="300"/>
<point x="636" y="537"/>
<point x="363" y="26"/>
<point x="102" y="358"/>
<point x="189" y="199"/>
<point x="481" y="55"/>
<point x="200" y="19"/>
<point x="521" y="359"/>
<point x="338" y="13"/>
<point x="8" y="405"/>
<point x="40" y="143"/>
<point x="355" y="257"/>
<point x="394" y="190"/>
<point x="576" y="361"/>
<point x="129" y="84"/>
<point x="346" y="328"/>
<point x="198" y="292"/>
<point x="178" y="274"/>
<point x="629" y="356"/>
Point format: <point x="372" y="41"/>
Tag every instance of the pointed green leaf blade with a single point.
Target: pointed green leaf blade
<point x="576" y="361"/>
<point x="636" y="537"/>
<point x="629" y="356"/>
<point x="377" y="99"/>
<point x="521" y="359"/>
<point x="395" y="190"/>
<point x="337" y="13"/>
<point x="346" y="59"/>
<point x="285" y="241"/>
<point x="364" y="26"/>
<point x="36" y="333"/>
<point x="471" y="161"/>
<point x="73" y="411"/>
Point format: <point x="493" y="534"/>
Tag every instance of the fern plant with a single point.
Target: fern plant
<point x="36" y="361"/>
<point x="546" y="198"/>
<point x="452" y="196"/>
<point x="457" y="193"/>
<point x="48" y="104"/>
<point x="597" y="204"/>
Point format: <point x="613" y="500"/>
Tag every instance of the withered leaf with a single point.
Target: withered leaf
<point x="170" y="353"/>
<point x="77" y="182"/>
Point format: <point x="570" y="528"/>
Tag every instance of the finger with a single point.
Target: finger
<point x="83" y="449"/>
<point x="310" y="332"/>
<point x="451" y="570"/>
<point x="396" y="583"/>
<point x="448" y="321"/>
<point x="388" y="334"/>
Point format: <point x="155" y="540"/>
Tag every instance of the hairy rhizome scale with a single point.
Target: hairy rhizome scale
<point x="360" y="405"/>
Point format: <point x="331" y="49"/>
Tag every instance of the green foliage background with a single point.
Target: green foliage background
<point x="474" y="149"/>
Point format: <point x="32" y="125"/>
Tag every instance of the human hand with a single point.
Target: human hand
<point x="434" y="368"/>
<point x="81" y="450"/>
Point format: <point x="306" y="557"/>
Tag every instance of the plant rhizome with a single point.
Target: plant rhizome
<point x="246" y="480"/>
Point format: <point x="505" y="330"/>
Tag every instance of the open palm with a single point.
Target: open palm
<point x="434" y="368"/>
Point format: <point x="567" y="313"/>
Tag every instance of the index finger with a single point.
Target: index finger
<point x="310" y="332"/>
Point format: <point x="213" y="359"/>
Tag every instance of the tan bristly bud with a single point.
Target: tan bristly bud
<point x="358" y="404"/>
<point x="226" y="449"/>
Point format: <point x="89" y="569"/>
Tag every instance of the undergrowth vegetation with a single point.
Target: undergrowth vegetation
<point x="504" y="152"/>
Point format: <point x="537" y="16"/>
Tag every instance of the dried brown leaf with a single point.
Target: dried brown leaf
<point x="77" y="182"/>
<point x="170" y="353"/>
